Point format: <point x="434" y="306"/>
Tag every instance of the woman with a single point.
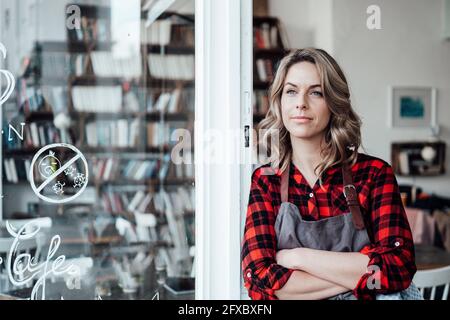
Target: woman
<point x="313" y="246"/>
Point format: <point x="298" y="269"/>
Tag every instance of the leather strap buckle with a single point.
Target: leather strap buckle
<point x="348" y="186"/>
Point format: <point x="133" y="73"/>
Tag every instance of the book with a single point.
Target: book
<point x="121" y="133"/>
<point x="138" y="197"/>
<point x="97" y="98"/>
<point x="105" y="64"/>
<point x="171" y="66"/>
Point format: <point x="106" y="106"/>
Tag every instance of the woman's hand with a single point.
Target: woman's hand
<point x="291" y="258"/>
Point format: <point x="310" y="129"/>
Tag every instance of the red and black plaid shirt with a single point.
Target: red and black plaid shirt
<point x="391" y="249"/>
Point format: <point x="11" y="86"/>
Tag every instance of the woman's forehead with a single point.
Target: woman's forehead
<point x="302" y="74"/>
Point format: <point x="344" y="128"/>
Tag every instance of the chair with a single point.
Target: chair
<point x="433" y="278"/>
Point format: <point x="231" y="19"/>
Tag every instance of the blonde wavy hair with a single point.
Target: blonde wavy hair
<point x="343" y="133"/>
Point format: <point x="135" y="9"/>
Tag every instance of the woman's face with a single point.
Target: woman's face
<point x="304" y="110"/>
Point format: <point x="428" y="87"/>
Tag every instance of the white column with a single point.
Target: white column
<point x="217" y="185"/>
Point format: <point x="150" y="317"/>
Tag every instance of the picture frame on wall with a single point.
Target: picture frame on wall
<point x="412" y="107"/>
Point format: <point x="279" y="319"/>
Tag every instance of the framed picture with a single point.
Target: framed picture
<point x="412" y="107"/>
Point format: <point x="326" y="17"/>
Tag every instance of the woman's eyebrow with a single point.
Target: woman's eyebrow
<point x="294" y="85"/>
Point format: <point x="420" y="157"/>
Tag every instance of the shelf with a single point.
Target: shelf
<point x="180" y="116"/>
<point x="39" y="116"/>
<point x="87" y="150"/>
<point x="168" y="14"/>
<point x="159" y="214"/>
<point x="270" y="52"/>
<point x="151" y="48"/>
<point x="259" y="20"/>
<point x="94" y="241"/>
<point x="21" y="152"/>
<point x="261" y="84"/>
<point x="257" y="117"/>
<point x="154" y="115"/>
<point x="73" y="46"/>
<point x="137" y="149"/>
<point x="145" y="182"/>
<point x="94" y="11"/>
<point x="167" y="83"/>
<point x="88" y="80"/>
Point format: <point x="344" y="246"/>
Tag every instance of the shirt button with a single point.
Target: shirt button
<point x="311" y="195"/>
<point x="249" y="275"/>
<point x="397" y="243"/>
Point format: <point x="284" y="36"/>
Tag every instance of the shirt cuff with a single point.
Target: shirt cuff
<point x="269" y="279"/>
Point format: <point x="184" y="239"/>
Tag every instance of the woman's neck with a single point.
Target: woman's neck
<point x="306" y="153"/>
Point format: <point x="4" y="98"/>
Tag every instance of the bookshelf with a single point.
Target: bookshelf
<point x="418" y="158"/>
<point x="120" y="113"/>
<point x="269" y="47"/>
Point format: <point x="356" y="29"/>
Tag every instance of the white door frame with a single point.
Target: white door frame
<point x="218" y="99"/>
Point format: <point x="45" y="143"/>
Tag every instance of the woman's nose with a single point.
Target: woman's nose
<point x="301" y="103"/>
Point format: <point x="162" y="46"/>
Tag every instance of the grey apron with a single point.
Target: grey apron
<point x="342" y="233"/>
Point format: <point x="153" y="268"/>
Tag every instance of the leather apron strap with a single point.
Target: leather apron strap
<point x="284" y="186"/>
<point x="352" y="198"/>
<point x="349" y="192"/>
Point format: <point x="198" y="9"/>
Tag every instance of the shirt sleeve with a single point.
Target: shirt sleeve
<point x="392" y="260"/>
<point x="262" y="275"/>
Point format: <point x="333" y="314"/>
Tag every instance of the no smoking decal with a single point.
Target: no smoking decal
<point x="58" y="173"/>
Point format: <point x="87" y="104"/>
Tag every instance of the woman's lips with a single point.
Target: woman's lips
<point x="301" y="119"/>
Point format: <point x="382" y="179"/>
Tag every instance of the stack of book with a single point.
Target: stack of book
<point x="265" y="36"/>
<point x="91" y="29"/>
<point x="35" y="134"/>
<point x="265" y="70"/>
<point x="167" y="102"/>
<point x="30" y="98"/>
<point x="63" y="64"/>
<point x="119" y="133"/>
<point x="183" y="35"/>
<point x="179" y="201"/>
<point x="105" y="64"/>
<point x="56" y="97"/>
<point x="118" y="169"/>
<point x="260" y="102"/>
<point x="157" y="33"/>
<point x="97" y="98"/>
<point x="171" y="66"/>
<point x="16" y="170"/>
<point x="162" y="134"/>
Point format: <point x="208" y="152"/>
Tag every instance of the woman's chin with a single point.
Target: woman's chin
<point x="302" y="134"/>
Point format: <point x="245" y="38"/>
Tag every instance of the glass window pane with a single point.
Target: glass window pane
<point x="97" y="149"/>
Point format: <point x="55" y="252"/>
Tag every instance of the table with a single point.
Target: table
<point x="430" y="257"/>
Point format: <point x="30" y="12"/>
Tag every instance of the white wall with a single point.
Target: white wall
<point x="307" y="22"/>
<point x="408" y="50"/>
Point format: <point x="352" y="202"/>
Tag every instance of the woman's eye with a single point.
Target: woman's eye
<point x="290" y="91"/>
<point x="317" y="93"/>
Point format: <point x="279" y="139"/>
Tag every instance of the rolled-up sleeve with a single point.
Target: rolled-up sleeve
<point x="262" y="275"/>
<point x="392" y="262"/>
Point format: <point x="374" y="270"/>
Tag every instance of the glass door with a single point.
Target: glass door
<point x="97" y="111"/>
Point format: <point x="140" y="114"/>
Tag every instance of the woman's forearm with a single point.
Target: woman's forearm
<point x="342" y="268"/>
<point x="304" y="286"/>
